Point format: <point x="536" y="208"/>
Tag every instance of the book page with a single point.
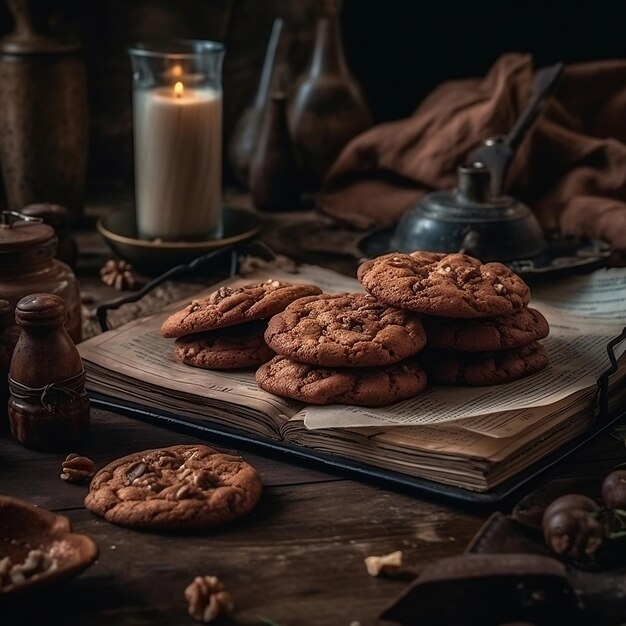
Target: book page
<point x="584" y="316"/>
<point x="138" y="353"/>
<point x="576" y="348"/>
<point x="595" y="296"/>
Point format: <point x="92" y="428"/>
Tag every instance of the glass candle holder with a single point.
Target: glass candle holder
<point x="177" y="108"/>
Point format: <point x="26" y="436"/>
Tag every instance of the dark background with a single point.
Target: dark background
<point x="398" y="49"/>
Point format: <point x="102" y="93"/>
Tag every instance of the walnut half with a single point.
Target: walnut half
<point x="77" y="469"/>
<point x="208" y="599"/>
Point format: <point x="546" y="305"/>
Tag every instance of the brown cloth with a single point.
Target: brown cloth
<point x="570" y="169"/>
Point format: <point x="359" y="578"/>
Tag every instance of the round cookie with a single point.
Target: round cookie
<point x="491" y="368"/>
<point x="487" y="334"/>
<point x="314" y="384"/>
<point x="177" y="488"/>
<point x="345" y="330"/>
<point x="448" y="285"/>
<point x="226" y="348"/>
<point x="229" y="306"/>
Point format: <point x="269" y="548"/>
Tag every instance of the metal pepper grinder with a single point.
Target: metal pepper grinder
<point x="48" y="405"/>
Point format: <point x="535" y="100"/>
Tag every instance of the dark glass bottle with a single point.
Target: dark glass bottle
<point x="328" y="108"/>
<point x="274" y="172"/>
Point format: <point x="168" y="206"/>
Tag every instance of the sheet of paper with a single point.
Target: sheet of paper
<point x="598" y="295"/>
<point x="584" y="316"/>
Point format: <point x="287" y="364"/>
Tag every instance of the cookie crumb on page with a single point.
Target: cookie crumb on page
<point x="385" y="565"/>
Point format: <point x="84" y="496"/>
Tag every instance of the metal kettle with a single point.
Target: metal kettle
<point x="469" y="218"/>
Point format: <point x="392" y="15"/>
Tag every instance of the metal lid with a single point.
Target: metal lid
<point x="25" y="239"/>
<point x="470" y="219"/>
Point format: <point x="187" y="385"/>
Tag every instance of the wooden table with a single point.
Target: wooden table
<point x="296" y="560"/>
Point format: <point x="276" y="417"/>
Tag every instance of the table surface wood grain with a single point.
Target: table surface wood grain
<point x="297" y="559"/>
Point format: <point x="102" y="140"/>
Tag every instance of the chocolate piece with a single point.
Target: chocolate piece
<point x="489" y="590"/>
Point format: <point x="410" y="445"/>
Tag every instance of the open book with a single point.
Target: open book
<point x="471" y="438"/>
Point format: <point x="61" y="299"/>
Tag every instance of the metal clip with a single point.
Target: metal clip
<point x="13" y="219"/>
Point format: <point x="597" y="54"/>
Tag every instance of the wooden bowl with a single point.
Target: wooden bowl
<point x="25" y="527"/>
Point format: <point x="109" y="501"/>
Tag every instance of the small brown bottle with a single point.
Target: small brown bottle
<point x="48" y="405"/>
<point x="274" y="172"/>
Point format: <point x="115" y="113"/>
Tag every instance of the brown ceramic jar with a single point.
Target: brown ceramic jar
<point x="27" y="265"/>
<point x="9" y="334"/>
<point x="48" y="407"/>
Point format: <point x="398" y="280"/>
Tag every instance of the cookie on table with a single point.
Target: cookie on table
<point x="447" y="367"/>
<point x="226" y="348"/>
<point x="187" y="487"/>
<point x="487" y="334"/>
<point x="314" y="384"/>
<point x="345" y="330"/>
<point x="448" y="285"/>
<point x="229" y="306"/>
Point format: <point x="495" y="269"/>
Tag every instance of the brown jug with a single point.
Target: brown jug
<point x="48" y="405"/>
<point x="43" y="110"/>
<point x="328" y="108"/>
<point x="27" y="265"/>
<point x="274" y="172"/>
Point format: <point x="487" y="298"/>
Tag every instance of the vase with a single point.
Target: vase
<point x="328" y="107"/>
<point x="43" y="111"/>
<point x="274" y="172"/>
<point x="245" y="135"/>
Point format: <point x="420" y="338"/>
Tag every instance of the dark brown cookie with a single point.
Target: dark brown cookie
<point x="176" y="488"/>
<point x="229" y="306"/>
<point x="349" y="329"/>
<point x="225" y="348"/>
<point x="314" y="384"/>
<point x="487" y="334"/>
<point x="448" y="285"/>
<point x="446" y="367"/>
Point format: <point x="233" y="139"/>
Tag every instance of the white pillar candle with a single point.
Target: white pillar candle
<point x="178" y="162"/>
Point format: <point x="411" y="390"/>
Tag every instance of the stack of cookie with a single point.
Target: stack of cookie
<point x="344" y="349"/>
<point x="479" y="327"/>
<point x="225" y="330"/>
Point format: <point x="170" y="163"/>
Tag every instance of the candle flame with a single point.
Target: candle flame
<point x="178" y="89"/>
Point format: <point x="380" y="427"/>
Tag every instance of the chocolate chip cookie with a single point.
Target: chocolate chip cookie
<point x="487" y="334"/>
<point x="225" y="348"/>
<point x="229" y="306"/>
<point x="447" y="367"/>
<point x="345" y="330"/>
<point x="177" y="488"/>
<point x="448" y="285"/>
<point x="314" y="384"/>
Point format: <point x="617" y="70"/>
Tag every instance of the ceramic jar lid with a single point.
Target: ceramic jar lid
<point x="25" y="239"/>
